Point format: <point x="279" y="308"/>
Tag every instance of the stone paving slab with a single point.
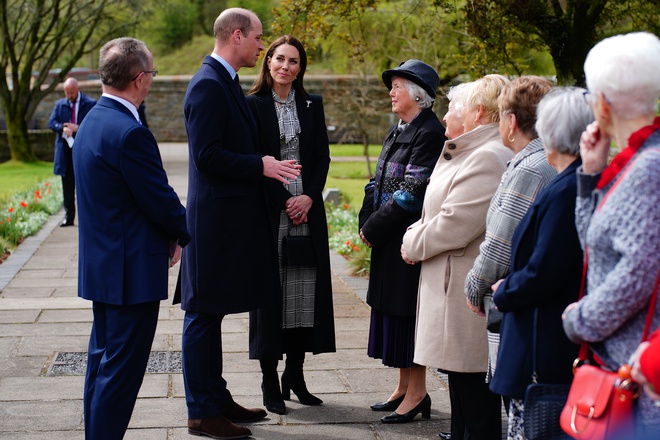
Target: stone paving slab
<point x="41" y="315"/>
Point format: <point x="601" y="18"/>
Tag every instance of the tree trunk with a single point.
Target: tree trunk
<point x="17" y="134"/>
<point x="365" y="143"/>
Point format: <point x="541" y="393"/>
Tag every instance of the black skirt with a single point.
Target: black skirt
<point x="392" y="339"/>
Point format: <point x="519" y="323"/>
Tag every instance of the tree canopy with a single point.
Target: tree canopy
<point x="37" y="34"/>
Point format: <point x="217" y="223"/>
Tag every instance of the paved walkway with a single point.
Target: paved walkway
<point x="41" y="319"/>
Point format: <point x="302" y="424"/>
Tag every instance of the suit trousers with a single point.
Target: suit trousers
<point x="119" y="347"/>
<point x="476" y="412"/>
<point x="69" y="187"/>
<point x="201" y="358"/>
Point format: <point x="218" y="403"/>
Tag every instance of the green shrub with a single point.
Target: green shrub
<point x="344" y="237"/>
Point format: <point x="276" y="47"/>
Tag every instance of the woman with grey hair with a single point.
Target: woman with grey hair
<point x="546" y="265"/>
<point x="392" y="201"/>
<point x="620" y="231"/>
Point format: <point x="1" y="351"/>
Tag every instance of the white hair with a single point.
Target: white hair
<point x="457" y="96"/>
<point x="416" y="91"/>
<point x="561" y="117"/>
<point x="626" y="70"/>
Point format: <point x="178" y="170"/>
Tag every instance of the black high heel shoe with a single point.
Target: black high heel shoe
<point x="270" y="387"/>
<point x="424" y="407"/>
<point x="388" y="405"/>
<point x="298" y="386"/>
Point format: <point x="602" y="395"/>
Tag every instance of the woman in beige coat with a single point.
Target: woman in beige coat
<point x="446" y="240"/>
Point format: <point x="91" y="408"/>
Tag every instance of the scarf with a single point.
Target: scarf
<point x="619" y="162"/>
<point x="287" y="116"/>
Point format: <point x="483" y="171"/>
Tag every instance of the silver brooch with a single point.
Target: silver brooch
<point x="308" y="103"/>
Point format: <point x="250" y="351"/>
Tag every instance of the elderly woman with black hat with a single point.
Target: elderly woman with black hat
<point x="393" y="201"/>
<point x="446" y="239"/>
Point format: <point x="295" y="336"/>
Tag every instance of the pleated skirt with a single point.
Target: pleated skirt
<point x="392" y="339"/>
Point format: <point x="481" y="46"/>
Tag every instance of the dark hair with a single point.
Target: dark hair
<point x="120" y="60"/>
<point x="265" y="82"/>
<point x="520" y="97"/>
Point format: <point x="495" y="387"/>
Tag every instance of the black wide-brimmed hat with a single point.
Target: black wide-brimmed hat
<point x="416" y="71"/>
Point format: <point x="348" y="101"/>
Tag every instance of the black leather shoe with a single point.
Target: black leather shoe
<point x="273" y="398"/>
<point x="445" y="435"/>
<point x="388" y="405"/>
<point x="67" y="223"/>
<point x="424" y="407"/>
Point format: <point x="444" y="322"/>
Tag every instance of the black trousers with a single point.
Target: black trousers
<point x="69" y="187"/>
<point x="476" y="412"/>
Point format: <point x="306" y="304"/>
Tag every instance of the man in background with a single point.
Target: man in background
<point x="67" y="114"/>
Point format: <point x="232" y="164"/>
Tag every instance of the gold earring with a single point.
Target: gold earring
<point x="511" y="140"/>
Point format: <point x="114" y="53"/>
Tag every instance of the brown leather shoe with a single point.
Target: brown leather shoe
<point x="217" y="427"/>
<point x="237" y="414"/>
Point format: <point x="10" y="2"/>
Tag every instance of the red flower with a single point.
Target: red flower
<point x="47" y="183"/>
<point x="37" y="194"/>
<point x="346" y="206"/>
<point x="9" y="219"/>
<point x="348" y="243"/>
<point x="10" y="209"/>
<point x="356" y="248"/>
<point x="24" y="204"/>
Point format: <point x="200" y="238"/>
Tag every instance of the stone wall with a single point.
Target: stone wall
<point x="359" y="99"/>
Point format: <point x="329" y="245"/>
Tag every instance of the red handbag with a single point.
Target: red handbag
<point x="600" y="402"/>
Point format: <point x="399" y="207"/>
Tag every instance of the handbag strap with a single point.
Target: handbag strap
<point x="584" y="347"/>
<point x="535" y="374"/>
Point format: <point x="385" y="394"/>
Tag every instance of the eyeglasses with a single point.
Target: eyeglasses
<point x="589" y="97"/>
<point x="153" y="72"/>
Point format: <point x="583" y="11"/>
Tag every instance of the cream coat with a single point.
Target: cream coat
<point x="446" y="240"/>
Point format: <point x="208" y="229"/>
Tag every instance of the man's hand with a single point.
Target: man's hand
<point x="281" y="170"/>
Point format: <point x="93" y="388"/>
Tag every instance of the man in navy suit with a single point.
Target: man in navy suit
<point x="131" y="229"/>
<point x="67" y="114"/>
<point x="230" y="266"/>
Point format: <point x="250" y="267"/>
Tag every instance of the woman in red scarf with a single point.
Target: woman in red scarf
<point x="618" y="207"/>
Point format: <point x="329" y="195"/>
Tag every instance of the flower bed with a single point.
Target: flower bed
<point x="26" y="212"/>
<point x="344" y="237"/>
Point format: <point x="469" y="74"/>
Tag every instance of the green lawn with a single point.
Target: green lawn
<point x="353" y="150"/>
<point x="350" y="178"/>
<point x="18" y="176"/>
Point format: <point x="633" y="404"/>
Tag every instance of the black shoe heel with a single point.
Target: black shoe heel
<point x="423" y="407"/>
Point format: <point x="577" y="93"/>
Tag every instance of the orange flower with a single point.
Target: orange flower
<point x="24" y="204"/>
<point x="10" y="209"/>
<point x="9" y="219"/>
<point x="348" y="243"/>
<point x="356" y="248"/>
<point x="47" y="183"/>
<point x="37" y="194"/>
<point x="346" y="206"/>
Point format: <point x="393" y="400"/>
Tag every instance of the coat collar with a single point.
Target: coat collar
<point x="229" y="84"/>
<point x="408" y="133"/>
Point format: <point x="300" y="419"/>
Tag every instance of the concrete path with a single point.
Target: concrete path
<point x="42" y="319"/>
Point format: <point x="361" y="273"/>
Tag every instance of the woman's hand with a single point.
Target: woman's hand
<point x="364" y="240"/>
<point x="594" y="149"/>
<point x="478" y="310"/>
<point x="638" y="376"/>
<point x="405" y="257"/>
<point x="297" y="208"/>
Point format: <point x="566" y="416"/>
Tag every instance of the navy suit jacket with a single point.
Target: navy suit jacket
<point x="546" y="269"/>
<point x="230" y="266"/>
<point x="128" y="213"/>
<point x="61" y="114"/>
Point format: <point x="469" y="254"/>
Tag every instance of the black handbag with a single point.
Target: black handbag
<point x="298" y="251"/>
<point x="493" y="316"/>
<point x="544" y="403"/>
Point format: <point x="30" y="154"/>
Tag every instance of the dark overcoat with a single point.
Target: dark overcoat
<point x="230" y="266"/>
<point x="61" y="114"/>
<point x="266" y="323"/>
<point x="392" y="202"/>
<point x="546" y="269"/>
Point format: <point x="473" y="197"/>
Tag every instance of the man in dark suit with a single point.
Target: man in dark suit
<point x="230" y="266"/>
<point x="67" y="114"/>
<point x="132" y="226"/>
